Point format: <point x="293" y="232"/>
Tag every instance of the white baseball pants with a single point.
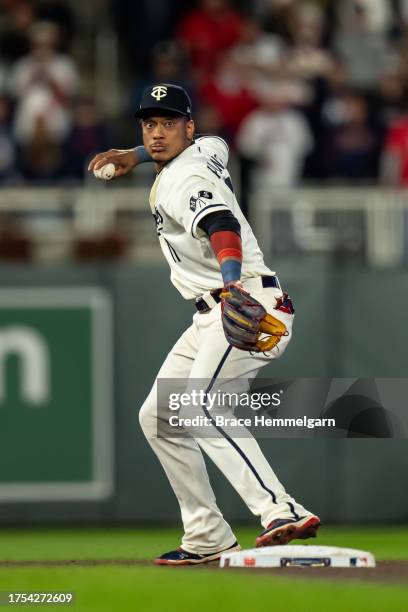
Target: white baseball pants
<point x="202" y="352"/>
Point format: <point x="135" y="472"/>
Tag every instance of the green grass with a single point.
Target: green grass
<point x="385" y="542"/>
<point x="129" y="589"/>
<point x="161" y="589"/>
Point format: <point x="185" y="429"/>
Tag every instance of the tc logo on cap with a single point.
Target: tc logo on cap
<point x="159" y="92"/>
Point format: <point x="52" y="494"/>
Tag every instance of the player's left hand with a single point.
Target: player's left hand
<point x="244" y="320"/>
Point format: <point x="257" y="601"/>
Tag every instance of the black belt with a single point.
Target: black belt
<point x="202" y="306"/>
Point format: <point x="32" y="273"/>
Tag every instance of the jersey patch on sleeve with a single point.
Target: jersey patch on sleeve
<point x="198" y="200"/>
<point x="205" y="194"/>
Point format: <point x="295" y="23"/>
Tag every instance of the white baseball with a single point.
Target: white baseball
<point x="107" y="172"/>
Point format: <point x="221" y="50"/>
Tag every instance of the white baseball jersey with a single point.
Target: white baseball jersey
<point x="194" y="184"/>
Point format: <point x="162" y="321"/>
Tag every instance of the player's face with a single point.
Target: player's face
<point x="166" y="137"/>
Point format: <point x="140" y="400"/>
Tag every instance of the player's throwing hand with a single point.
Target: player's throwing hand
<point x="124" y="161"/>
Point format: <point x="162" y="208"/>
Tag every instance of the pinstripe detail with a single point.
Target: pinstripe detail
<point x="173" y="251"/>
<point x="232" y="442"/>
<point x="292" y="509"/>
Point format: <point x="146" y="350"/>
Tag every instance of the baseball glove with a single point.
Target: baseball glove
<point x="244" y="320"/>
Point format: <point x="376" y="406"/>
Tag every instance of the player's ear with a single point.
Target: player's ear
<point x="190" y="129"/>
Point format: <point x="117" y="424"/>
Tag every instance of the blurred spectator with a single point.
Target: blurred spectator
<point x="276" y="137"/>
<point x="41" y="156"/>
<point x="208" y="121"/>
<point x="7" y="145"/>
<point x="228" y="91"/>
<point x="224" y="52"/>
<point x="361" y="41"/>
<point x="141" y="25"/>
<point x="60" y="13"/>
<point x="306" y="58"/>
<point x="377" y="15"/>
<point x="322" y="106"/>
<point x="353" y="141"/>
<point x="394" y="162"/>
<point x="207" y="33"/>
<point x="387" y="101"/>
<point x="15" y="24"/>
<point x="89" y="135"/>
<point x="43" y="83"/>
<point x="257" y="49"/>
<point x="276" y="16"/>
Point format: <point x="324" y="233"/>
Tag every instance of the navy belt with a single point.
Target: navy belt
<point x="202" y="306"/>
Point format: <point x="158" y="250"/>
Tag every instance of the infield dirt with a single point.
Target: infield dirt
<point x="385" y="571"/>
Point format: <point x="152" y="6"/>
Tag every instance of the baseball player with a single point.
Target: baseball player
<point x="243" y="320"/>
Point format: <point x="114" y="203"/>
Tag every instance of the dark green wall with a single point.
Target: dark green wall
<point x="350" y="321"/>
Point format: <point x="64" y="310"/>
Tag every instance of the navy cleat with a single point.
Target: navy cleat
<point x="182" y="557"/>
<point x="283" y="531"/>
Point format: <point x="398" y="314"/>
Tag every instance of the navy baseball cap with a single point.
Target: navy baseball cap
<point x="163" y="98"/>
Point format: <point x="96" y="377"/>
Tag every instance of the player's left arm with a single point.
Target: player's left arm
<point x="244" y="319"/>
<point x="224" y="233"/>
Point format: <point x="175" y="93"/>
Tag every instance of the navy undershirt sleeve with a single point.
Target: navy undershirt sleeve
<point x="220" y="221"/>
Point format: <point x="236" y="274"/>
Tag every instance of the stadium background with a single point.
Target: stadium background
<point x="311" y="97"/>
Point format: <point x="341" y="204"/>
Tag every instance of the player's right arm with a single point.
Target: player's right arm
<point x="123" y="159"/>
<point x="127" y="159"/>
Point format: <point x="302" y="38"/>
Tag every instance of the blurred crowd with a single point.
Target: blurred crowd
<point x="48" y="128"/>
<point x="304" y="91"/>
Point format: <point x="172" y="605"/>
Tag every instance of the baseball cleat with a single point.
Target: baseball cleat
<point x="283" y="531"/>
<point x="182" y="557"/>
